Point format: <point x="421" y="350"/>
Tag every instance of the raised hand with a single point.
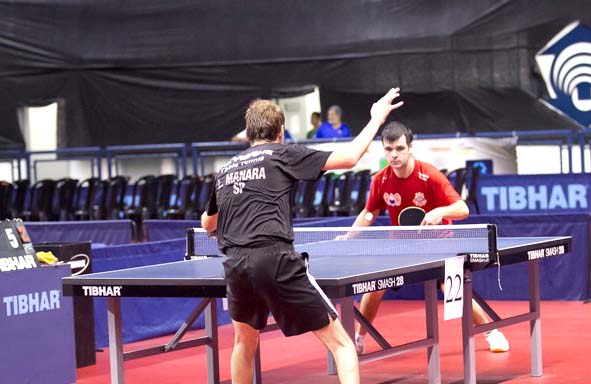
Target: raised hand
<point x="382" y="108"/>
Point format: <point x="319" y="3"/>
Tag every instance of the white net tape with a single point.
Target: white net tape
<point x="331" y="241"/>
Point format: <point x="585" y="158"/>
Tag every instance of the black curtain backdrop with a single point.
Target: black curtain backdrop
<point x="179" y="71"/>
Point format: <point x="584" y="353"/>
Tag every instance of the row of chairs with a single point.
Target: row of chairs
<point x="346" y="194"/>
<point x="166" y="197"/>
<point x="332" y="195"/>
<point x="163" y="197"/>
<point x="150" y="197"/>
<point x="55" y="200"/>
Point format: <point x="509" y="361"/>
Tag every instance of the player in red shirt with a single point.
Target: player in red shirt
<point x="407" y="182"/>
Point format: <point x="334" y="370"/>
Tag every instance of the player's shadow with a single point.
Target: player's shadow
<point x="406" y="379"/>
<point x="394" y="381"/>
<point x="485" y="381"/>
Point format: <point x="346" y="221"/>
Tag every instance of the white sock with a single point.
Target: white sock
<point x="359" y="338"/>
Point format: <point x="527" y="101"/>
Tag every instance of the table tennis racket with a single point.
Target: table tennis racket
<point x="411" y="216"/>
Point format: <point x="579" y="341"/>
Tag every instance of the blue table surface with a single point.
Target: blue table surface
<point x="331" y="259"/>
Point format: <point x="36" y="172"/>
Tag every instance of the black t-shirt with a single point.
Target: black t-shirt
<point x="252" y="193"/>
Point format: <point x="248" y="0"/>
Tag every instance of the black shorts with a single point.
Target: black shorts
<point x="275" y="279"/>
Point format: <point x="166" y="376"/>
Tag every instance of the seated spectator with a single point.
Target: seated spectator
<point x="239" y="137"/>
<point x="334" y="127"/>
<point x="316" y="121"/>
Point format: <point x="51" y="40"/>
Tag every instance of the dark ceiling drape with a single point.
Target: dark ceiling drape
<point x="178" y="71"/>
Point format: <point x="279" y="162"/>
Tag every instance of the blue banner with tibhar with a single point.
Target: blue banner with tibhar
<point x="534" y="193"/>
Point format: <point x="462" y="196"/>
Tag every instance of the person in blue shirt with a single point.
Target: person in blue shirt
<point x="334" y="127"/>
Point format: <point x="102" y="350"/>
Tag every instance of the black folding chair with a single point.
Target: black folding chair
<point x="184" y="191"/>
<point x="6" y="190"/>
<point x="341" y="203"/>
<point x="20" y="200"/>
<point x="62" y="207"/>
<point x="323" y="195"/>
<point x="165" y="193"/>
<point x="41" y="198"/>
<point x="458" y="178"/>
<point x="143" y="203"/>
<point x="114" y="201"/>
<point x="361" y="190"/>
<point x="304" y="196"/>
<point x="200" y="198"/>
<point x="90" y="193"/>
<point x="471" y="178"/>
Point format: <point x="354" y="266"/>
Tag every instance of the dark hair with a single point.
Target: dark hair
<point x="394" y="131"/>
<point x="264" y="120"/>
<point x="317" y="114"/>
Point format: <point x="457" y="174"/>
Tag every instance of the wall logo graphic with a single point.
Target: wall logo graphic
<point x="565" y="65"/>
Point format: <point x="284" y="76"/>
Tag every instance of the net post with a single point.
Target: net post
<point x="190" y="244"/>
<point x="492" y="242"/>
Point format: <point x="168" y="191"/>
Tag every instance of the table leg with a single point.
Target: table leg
<point x="433" y="362"/>
<point x="467" y="335"/>
<point x="258" y="376"/>
<point x="184" y="328"/>
<point x="535" y="324"/>
<point x="348" y="316"/>
<point x="115" y="341"/>
<point x="212" y="347"/>
<point x="332" y="366"/>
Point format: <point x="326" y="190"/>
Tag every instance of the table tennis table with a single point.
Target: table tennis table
<point x="345" y="262"/>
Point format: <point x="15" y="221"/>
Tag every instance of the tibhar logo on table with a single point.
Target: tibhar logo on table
<point x="31" y="302"/>
<point x="478" y="258"/>
<point x="378" y="285"/>
<point x="546" y="252"/>
<point x="93" y="290"/>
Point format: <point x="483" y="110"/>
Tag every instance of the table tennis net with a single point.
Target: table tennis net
<point x="335" y="241"/>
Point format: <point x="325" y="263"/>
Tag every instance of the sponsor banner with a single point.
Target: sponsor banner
<point x="565" y="66"/>
<point x="16" y="250"/>
<point x="505" y="194"/>
<point x="36" y="327"/>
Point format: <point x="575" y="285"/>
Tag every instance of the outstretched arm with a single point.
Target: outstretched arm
<point x="456" y="211"/>
<point x="364" y="219"/>
<point x="349" y="156"/>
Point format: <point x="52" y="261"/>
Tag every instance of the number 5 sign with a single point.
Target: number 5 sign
<point x="453" y="297"/>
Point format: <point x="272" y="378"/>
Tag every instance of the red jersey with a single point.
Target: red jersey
<point x="426" y="187"/>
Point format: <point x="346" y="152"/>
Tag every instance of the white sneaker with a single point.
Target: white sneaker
<point x="360" y="344"/>
<point x="497" y="341"/>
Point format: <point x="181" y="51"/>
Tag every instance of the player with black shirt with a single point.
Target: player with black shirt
<point x="250" y="209"/>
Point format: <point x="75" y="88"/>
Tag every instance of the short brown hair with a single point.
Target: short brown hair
<point x="264" y="120"/>
<point x="394" y="131"/>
